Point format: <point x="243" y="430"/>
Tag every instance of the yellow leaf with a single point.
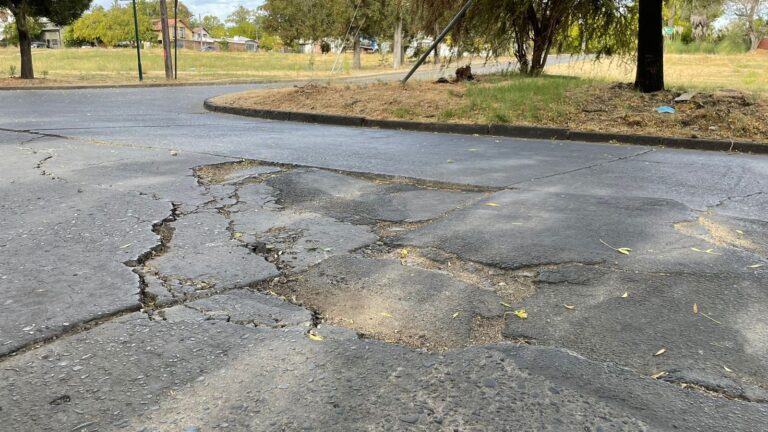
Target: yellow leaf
<point x="315" y="337"/>
<point x="449" y="161"/>
<point x="624" y="250"/>
<point x="756" y="266"/>
<point x="726" y="369"/>
<point x="739" y="232"/>
<point x="492" y="204"/>
<point x="521" y="313"/>
<point x="658" y="375"/>
<point x="625" y="295"/>
<point x="660" y="352"/>
<point x="403" y="253"/>
<point x="387" y="315"/>
<point x="569" y="307"/>
<point x="708" y="251"/>
<point x="506" y="305"/>
<point x="695" y="308"/>
<point x="237" y="235"/>
<point x="455" y="315"/>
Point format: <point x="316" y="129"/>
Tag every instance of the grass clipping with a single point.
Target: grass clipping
<point x="559" y="101"/>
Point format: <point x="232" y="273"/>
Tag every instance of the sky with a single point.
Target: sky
<point x="220" y="8"/>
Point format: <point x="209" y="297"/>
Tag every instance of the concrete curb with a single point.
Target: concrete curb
<point x="508" y="131"/>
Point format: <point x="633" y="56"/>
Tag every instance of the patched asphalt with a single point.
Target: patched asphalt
<point x="152" y="279"/>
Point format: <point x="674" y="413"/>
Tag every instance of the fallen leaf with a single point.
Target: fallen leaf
<point x="455" y="315"/>
<point x="403" y="253"/>
<point x="708" y="251"/>
<point x="521" y="313"/>
<point x="624" y="250"/>
<point x="449" y="161"/>
<point x="659" y="375"/>
<point x="625" y="295"/>
<point x="756" y="266"/>
<point x="739" y="232"/>
<point x="327" y="249"/>
<point x="660" y="352"/>
<point x="472" y="149"/>
<point x="315" y="337"/>
<point x="695" y="308"/>
<point x="726" y="369"/>
<point x="387" y="315"/>
<point x="125" y="246"/>
<point x="237" y="235"/>
<point x="492" y="204"/>
<point x="569" y="307"/>
<point x="506" y="305"/>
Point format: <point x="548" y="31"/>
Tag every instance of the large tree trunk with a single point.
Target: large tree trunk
<point x="356" y="55"/>
<point x="167" y="60"/>
<point x="25" y="46"/>
<point x="397" y="45"/>
<point x="650" y="47"/>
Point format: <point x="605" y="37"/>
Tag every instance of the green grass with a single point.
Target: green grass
<point x="119" y="65"/>
<point x="512" y="98"/>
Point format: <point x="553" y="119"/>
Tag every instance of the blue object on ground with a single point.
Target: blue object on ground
<point x="665" y="110"/>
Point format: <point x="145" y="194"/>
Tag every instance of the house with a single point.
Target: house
<point x="240" y="43"/>
<point x="200" y="34"/>
<point x="51" y="34"/>
<point x="202" y="40"/>
<point x="183" y="35"/>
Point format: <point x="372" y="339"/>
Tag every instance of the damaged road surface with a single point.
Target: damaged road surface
<point x="564" y="287"/>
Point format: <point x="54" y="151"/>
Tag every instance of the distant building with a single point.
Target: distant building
<point x="240" y="43"/>
<point x="51" y="34"/>
<point x="183" y="35"/>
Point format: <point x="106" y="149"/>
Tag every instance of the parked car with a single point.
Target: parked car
<point x="39" y="45"/>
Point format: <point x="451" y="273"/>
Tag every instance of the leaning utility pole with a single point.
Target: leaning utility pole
<point x="166" y="40"/>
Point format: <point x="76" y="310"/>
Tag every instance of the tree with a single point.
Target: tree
<point x="749" y="12"/>
<point x="243" y="22"/>
<point x="534" y="27"/>
<point x="12" y="35"/>
<point x="25" y="12"/>
<point x="650" y="47"/>
<point x="214" y="26"/>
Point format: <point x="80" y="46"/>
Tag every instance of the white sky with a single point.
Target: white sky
<point x="220" y="8"/>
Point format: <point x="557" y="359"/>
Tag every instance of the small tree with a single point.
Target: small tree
<point x="749" y="12"/>
<point x="25" y="12"/>
<point x="534" y="27"/>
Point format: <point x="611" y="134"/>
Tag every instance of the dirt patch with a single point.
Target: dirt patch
<point x="602" y="107"/>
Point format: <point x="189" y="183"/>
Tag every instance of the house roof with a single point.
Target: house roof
<point x="200" y="29"/>
<point x="157" y="24"/>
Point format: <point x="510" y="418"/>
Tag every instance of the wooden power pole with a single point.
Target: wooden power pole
<point x="168" y="60"/>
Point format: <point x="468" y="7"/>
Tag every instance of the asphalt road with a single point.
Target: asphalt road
<point x="355" y="279"/>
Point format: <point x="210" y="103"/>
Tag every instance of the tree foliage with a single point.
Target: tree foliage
<point x="533" y="28"/>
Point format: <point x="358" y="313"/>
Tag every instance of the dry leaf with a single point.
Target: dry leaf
<point x="125" y="246"/>
<point x="708" y="251"/>
<point x="237" y="235"/>
<point x="624" y="250"/>
<point x="740" y="232"/>
<point x="660" y="352"/>
<point x="403" y="253"/>
<point x="625" y="295"/>
<point x="315" y="337"/>
<point x="726" y="369"/>
<point x="521" y="313"/>
<point x="455" y="315"/>
<point x="569" y="307"/>
<point x="695" y="308"/>
<point x="659" y="375"/>
<point x="756" y="266"/>
<point x="492" y="204"/>
<point x="387" y="315"/>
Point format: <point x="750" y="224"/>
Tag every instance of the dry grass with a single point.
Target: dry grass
<point x="110" y="66"/>
<point x="746" y="72"/>
<point x="548" y="101"/>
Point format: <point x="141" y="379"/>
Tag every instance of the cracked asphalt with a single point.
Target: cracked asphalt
<point x="168" y="269"/>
